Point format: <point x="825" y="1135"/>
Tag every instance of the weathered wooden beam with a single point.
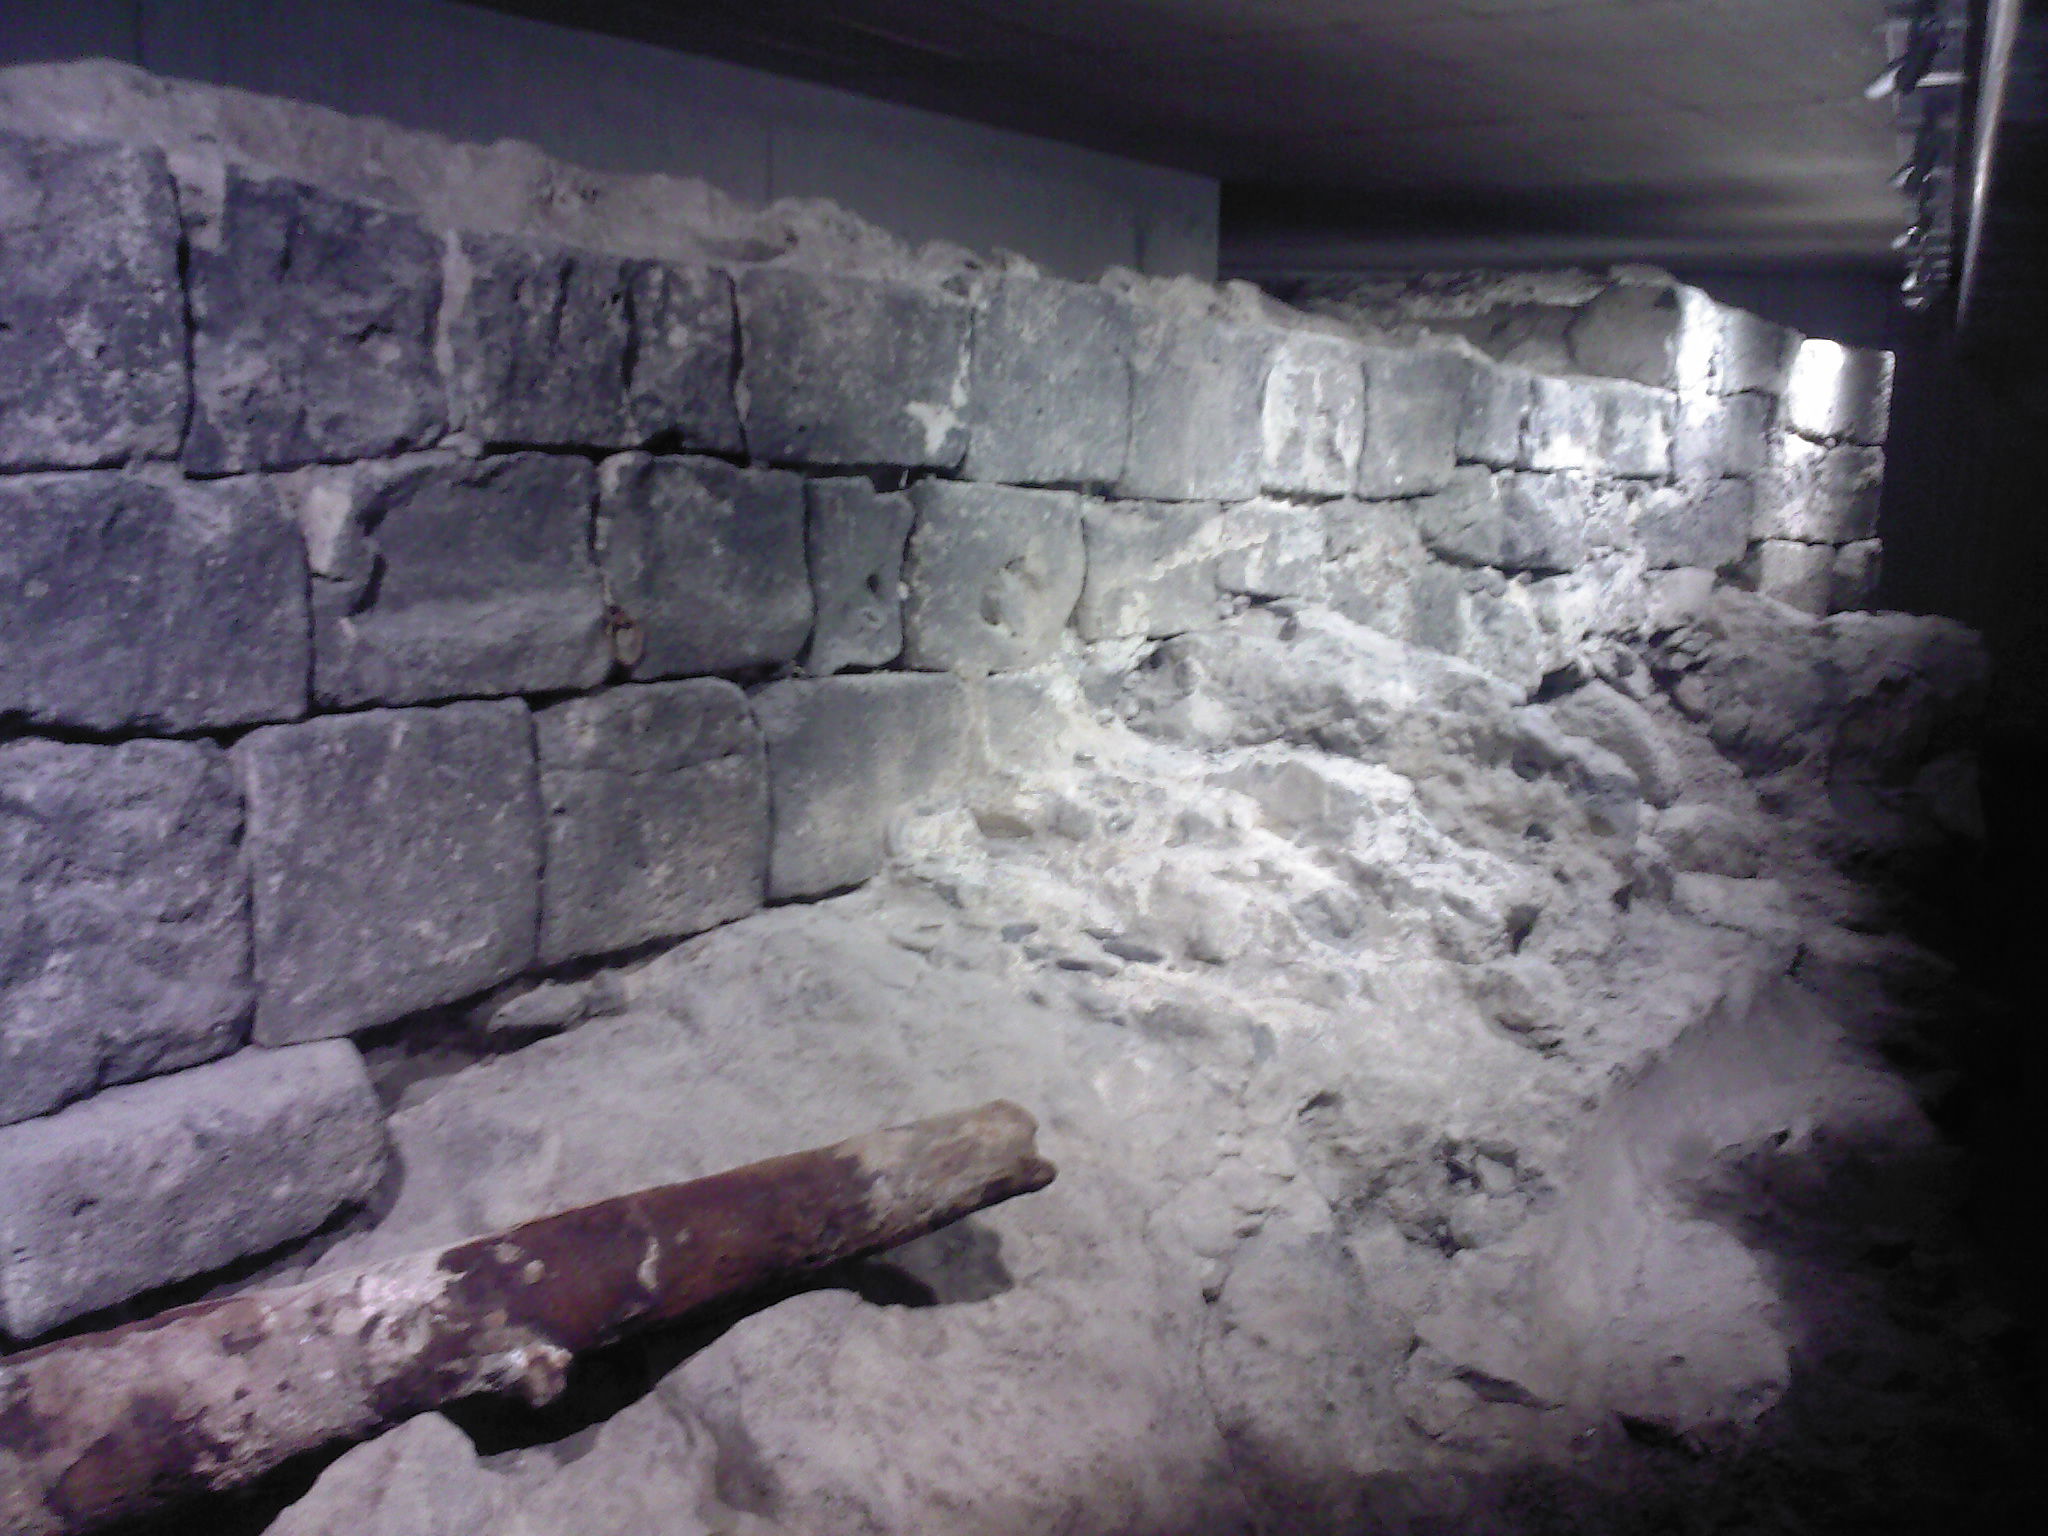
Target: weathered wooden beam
<point x="209" y="1396"/>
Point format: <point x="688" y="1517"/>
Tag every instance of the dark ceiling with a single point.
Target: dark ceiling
<point x="1348" y="131"/>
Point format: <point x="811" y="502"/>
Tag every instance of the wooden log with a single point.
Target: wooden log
<point x="209" y="1396"/>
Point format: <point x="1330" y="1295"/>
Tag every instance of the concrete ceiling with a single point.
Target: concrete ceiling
<point x="1363" y="131"/>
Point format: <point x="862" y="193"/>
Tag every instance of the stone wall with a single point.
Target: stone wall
<point x="393" y="608"/>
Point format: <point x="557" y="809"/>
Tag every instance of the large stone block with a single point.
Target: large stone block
<point x="1414" y="409"/>
<point x="1722" y="435"/>
<point x="1799" y="575"/>
<point x="1840" y="394"/>
<point x="1699" y="523"/>
<point x="394" y="858"/>
<point x="1050" y="401"/>
<point x="1853" y="585"/>
<point x="1820" y="495"/>
<point x="839" y="369"/>
<point x="1271" y="549"/>
<point x="555" y="347"/>
<point x="129" y="602"/>
<point x="1635" y="429"/>
<point x="846" y="755"/>
<point x="124" y="929"/>
<point x="656" y="798"/>
<point x="992" y="576"/>
<point x="164" y="1180"/>
<point x="313" y="331"/>
<point x="453" y="578"/>
<point x="1314" y="415"/>
<point x="1753" y="354"/>
<point x="1547" y="521"/>
<point x="1564" y="429"/>
<point x="1375" y="563"/>
<point x="1197" y="402"/>
<point x="855" y="540"/>
<point x="1462" y="523"/>
<point x="705" y="562"/>
<point x="92" y="313"/>
<point x="1497" y="402"/>
<point x="1631" y="330"/>
<point x="1151" y="568"/>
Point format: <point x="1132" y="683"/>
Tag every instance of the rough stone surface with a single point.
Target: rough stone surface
<point x="679" y="390"/>
<point x="1611" y="719"/>
<point x="1462" y="523"/>
<point x="1753" y="355"/>
<point x="1497" y="401"/>
<point x="1563" y="430"/>
<point x="1271" y="549"/>
<point x="1799" y="575"/>
<point x="449" y="578"/>
<point x="846" y="755"/>
<point x="1197" y="404"/>
<point x="1414" y="403"/>
<point x="313" y="331"/>
<point x="1050" y="398"/>
<point x="705" y="563"/>
<point x="92" y="312"/>
<point x="1635" y="430"/>
<point x="1547" y="521"/>
<point x="129" y="602"/>
<point x="1314" y="415"/>
<point x="854" y="538"/>
<point x="1720" y="435"/>
<point x="1840" y="394"/>
<point x="843" y="369"/>
<point x="656" y="798"/>
<point x="159" y="1181"/>
<point x="1374" y="558"/>
<point x="1820" y="495"/>
<point x="1704" y="523"/>
<point x="421" y="1479"/>
<point x="1858" y="569"/>
<point x="992" y="575"/>
<point x="394" y="857"/>
<point x="1631" y="331"/>
<point x="1151" y="568"/>
<point x="124" y="930"/>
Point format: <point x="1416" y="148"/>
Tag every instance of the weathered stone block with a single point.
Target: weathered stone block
<point x="1820" y="495"/>
<point x="1799" y="575"/>
<point x="92" y="313"/>
<point x="313" y="332"/>
<point x="1050" y="401"/>
<point x="1497" y="402"/>
<point x="129" y="602"/>
<point x="1271" y="550"/>
<point x="1858" y="569"/>
<point x="1631" y="330"/>
<point x="1374" y="559"/>
<point x="656" y="798"/>
<point x="394" y="857"/>
<point x="846" y="755"/>
<point x="838" y="369"/>
<point x="855" y="541"/>
<point x="1414" y="407"/>
<point x="1754" y="355"/>
<point x="705" y="562"/>
<point x="164" y="1180"/>
<point x="1720" y="435"/>
<point x="1462" y="523"/>
<point x="1702" y="523"/>
<point x="454" y="578"/>
<point x="1840" y="394"/>
<point x="1314" y="415"/>
<point x="1635" y="429"/>
<point x="1610" y="719"/>
<point x="993" y="574"/>
<point x="1151" y="568"/>
<point x="124" y="930"/>
<point x="1197" y="401"/>
<point x="1563" y="430"/>
<point x="1547" y="521"/>
<point x="556" y="347"/>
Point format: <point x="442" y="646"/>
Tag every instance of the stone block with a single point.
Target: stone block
<point x="313" y="332"/>
<point x="1718" y="435"/>
<point x="656" y="798"/>
<point x="1271" y="550"/>
<point x="92" y="312"/>
<point x="550" y="346"/>
<point x="992" y="575"/>
<point x="1050" y="398"/>
<point x="394" y="859"/>
<point x="839" y="369"/>
<point x="855" y="538"/>
<point x="1462" y="523"/>
<point x="1840" y="394"/>
<point x="1631" y="330"/>
<point x="1753" y="355"/>
<point x="164" y="1180"/>
<point x="1197" y="408"/>
<point x="1612" y="720"/>
<point x="1820" y="495"/>
<point x="705" y="563"/>
<point x="451" y="578"/>
<point x="1858" y="569"/>
<point x="1798" y="575"/>
<point x="1497" y="402"/>
<point x="124" y="929"/>
<point x="1701" y="523"/>
<point x="131" y="602"/>
<point x="1564" y="429"/>
<point x="1547" y="521"/>
<point x="1414" y="408"/>
<point x="1151" y="568"/>
<point x="1314" y="415"/>
<point x="1374" y="560"/>
<point x="1635" y="429"/>
<point x="846" y="755"/>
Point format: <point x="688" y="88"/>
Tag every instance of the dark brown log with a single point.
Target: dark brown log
<point x="208" y="1396"/>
